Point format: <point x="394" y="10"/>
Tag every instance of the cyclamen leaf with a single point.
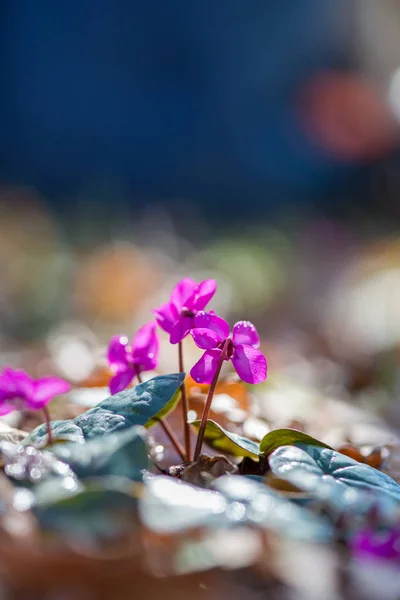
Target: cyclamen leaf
<point x="234" y="501"/>
<point x="166" y="410"/>
<point x="135" y="406"/>
<point x="100" y="510"/>
<point x="335" y="479"/>
<point x="232" y="443"/>
<point x="123" y="454"/>
<point x="287" y="437"/>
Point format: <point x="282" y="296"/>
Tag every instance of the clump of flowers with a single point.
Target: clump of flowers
<point x="127" y="361"/>
<point x="241" y="348"/>
<point x="184" y="314"/>
<point x="176" y="317"/>
<point x="19" y="391"/>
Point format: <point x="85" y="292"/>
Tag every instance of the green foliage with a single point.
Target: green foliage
<point x="335" y="479"/>
<point x="122" y="453"/>
<point x="287" y="437"/>
<point x="134" y="406"/>
<point x="169" y="506"/>
<point x="222" y="440"/>
<point x="100" y="510"/>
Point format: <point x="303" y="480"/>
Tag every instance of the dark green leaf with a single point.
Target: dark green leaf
<point x="268" y="509"/>
<point x="232" y="443"/>
<point x="101" y="510"/>
<point x="335" y="479"/>
<point x="168" y="505"/>
<point x="134" y="406"/>
<point x="122" y="453"/>
<point x="166" y="410"/>
<point x="287" y="437"/>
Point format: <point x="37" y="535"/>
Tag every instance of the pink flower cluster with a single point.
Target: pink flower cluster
<point x="184" y="314"/>
<point x="19" y="391"/>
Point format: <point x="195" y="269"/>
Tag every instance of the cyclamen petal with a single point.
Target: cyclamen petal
<point x="146" y="362"/>
<point x="117" y="351"/>
<point x="121" y="380"/>
<point x="166" y="316"/>
<point x="146" y="341"/>
<point x="250" y="364"/>
<point x="244" y="332"/>
<point x="15" y="382"/>
<point x="180" y="330"/>
<point x="45" y="389"/>
<point x="205" y="291"/>
<point x="208" y="320"/>
<point x="19" y="391"/>
<point x="182" y="292"/>
<point x="204" y="370"/>
<point x="205" y="338"/>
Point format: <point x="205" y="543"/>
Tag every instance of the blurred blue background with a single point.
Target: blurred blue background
<point x="193" y="100"/>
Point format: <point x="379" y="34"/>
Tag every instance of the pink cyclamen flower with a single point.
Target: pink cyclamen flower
<point x="19" y="391"/>
<point x="128" y="362"/>
<point x="187" y="299"/>
<point x="369" y="544"/>
<point x="212" y="333"/>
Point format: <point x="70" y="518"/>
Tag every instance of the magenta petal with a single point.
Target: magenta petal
<point x="146" y="345"/>
<point x="45" y="389"/>
<point x="244" y="332"/>
<point x="250" y="364"/>
<point x="208" y="320"/>
<point x="181" y="293"/>
<point x="166" y="316"/>
<point x="146" y="340"/>
<point x="205" y="338"/>
<point x="121" y="380"/>
<point x="117" y="351"/>
<point x="204" y="370"/>
<point x="15" y="382"/>
<point x="204" y="293"/>
<point x="145" y="363"/>
<point x="182" y="327"/>
<point x="6" y="408"/>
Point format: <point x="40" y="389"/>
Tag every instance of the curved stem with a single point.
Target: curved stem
<point x="206" y="412"/>
<point x="48" y="425"/>
<point x="168" y="430"/>
<point x="185" y="406"/>
<point x="174" y="440"/>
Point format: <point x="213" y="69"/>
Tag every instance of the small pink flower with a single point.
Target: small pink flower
<point x="211" y="333"/>
<point x="370" y="544"/>
<point x="128" y="362"/>
<point x="187" y="299"/>
<point x="19" y="391"/>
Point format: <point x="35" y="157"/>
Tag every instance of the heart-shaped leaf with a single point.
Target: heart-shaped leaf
<point x="287" y="437"/>
<point x="335" y="479"/>
<point x="122" y="453"/>
<point x="232" y="443"/>
<point x="168" y="505"/>
<point x="140" y="405"/>
<point x="268" y="509"/>
<point x="101" y="510"/>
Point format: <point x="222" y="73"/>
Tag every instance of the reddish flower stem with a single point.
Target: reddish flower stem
<point x="206" y="412"/>
<point x="185" y="406"/>
<point x="174" y="440"/>
<point x="167" y="429"/>
<point x="46" y="414"/>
